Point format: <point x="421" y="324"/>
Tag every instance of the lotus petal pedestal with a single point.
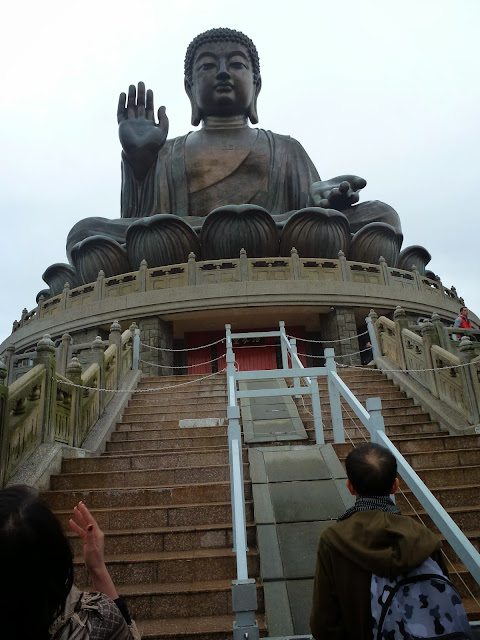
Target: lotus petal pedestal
<point x="99" y="253"/>
<point x="316" y="233"/>
<point x="373" y="241"/>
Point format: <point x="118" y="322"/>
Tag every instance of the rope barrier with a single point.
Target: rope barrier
<point x="171" y="366"/>
<point x="203" y="346"/>
<point x="358" y="335"/>
<point x="148" y="390"/>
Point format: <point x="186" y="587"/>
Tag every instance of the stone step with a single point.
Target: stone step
<point x="198" y="513"/>
<point x="443" y="458"/>
<point x="179" y="386"/>
<point x="159" y="460"/>
<point x="201" y="628"/>
<point x="438" y="442"/>
<point x="162" y="398"/>
<point x="186" y="494"/>
<point x="466" y="517"/>
<point x="448" y="497"/>
<point x="177" y="599"/>
<point x="170" y="411"/>
<point x="142" y="478"/>
<point x="451" y="476"/>
<point x="189" y="537"/>
<point x="183" y="413"/>
<point x="170" y="566"/>
<point x="166" y="443"/>
<point x="171" y="432"/>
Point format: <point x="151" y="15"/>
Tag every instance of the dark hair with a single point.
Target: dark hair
<point x="221" y="35"/>
<point x="35" y="563"/>
<point x="371" y="469"/>
<point x="462" y="308"/>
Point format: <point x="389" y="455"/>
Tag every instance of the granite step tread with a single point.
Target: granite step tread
<point x="201" y="628"/>
<point x="188" y="554"/>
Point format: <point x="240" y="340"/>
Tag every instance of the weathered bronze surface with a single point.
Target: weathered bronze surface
<point x="215" y="170"/>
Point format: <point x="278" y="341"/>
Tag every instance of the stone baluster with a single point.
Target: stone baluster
<point x="192" y="269"/>
<point x="142" y="276"/>
<point x="63" y="353"/>
<point x="74" y="374"/>
<point x="430" y="337"/>
<point x="295" y="264"/>
<point x="466" y="355"/>
<point x="41" y="300"/>
<point x="442" y="335"/>
<point x="385" y="270"/>
<point x="65" y="296"/>
<point x="115" y="337"/>
<point x="98" y="357"/>
<point x="100" y="284"/>
<point x="344" y="266"/>
<point x="372" y="327"/>
<point x="45" y="355"/>
<point x="243" y="265"/>
<point x="401" y="323"/>
<point x="3" y="422"/>
<point x="417" y="277"/>
<point x="24" y="315"/>
<point x="8" y="361"/>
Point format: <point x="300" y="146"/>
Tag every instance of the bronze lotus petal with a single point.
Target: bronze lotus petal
<point x="99" y="253"/>
<point x="160" y="240"/>
<point x="316" y="233"/>
<point x="56" y="275"/>
<point x="373" y="241"/>
<point x="414" y="255"/>
<point x="229" y="229"/>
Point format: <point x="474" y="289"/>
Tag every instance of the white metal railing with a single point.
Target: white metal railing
<point x="371" y="417"/>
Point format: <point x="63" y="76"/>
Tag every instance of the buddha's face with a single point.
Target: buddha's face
<point x="223" y="83"/>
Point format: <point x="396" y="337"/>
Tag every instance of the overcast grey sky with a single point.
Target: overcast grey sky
<point x="386" y="90"/>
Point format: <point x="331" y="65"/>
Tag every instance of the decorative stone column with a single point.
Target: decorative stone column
<point x="401" y="322"/>
<point x="63" y="353"/>
<point x="98" y="349"/>
<point x="466" y="354"/>
<point x="155" y="335"/>
<point x="430" y="337"/>
<point x="115" y="337"/>
<point x="74" y="374"/>
<point x="45" y="355"/>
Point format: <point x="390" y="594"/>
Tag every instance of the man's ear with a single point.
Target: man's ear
<point x="196" y="118"/>
<point x="395" y="486"/>
<point x="350" y="488"/>
<point x="252" y="110"/>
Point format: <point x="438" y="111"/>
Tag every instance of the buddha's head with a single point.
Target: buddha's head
<point x="222" y="75"/>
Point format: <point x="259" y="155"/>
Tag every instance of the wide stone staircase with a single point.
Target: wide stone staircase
<point x="161" y="493"/>
<point x="449" y="465"/>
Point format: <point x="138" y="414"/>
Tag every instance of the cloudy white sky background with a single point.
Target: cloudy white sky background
<point x="386" y="90"/>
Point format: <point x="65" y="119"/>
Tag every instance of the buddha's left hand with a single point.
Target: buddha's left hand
<point x="337" y="193"/>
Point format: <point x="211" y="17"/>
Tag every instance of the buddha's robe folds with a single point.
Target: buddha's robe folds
<point x="276" y="174"/>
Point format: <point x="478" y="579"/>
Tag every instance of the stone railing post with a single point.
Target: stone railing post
<point x="8" y="361"/>
<point x="98" y="357"/>
<point x="100" y="284"/>
<point x="429" y="337"/>
<point x="3" y="422"/>
<point x="417" y="277"/>
<point x="41" y="300"/>
<point x="295" y="263"/>
<point x="142" y="276"/>
<point x="63" y="353"/>
<point x="74" y="374"/>
<point x="192" y="269"/>
<point x="243" y="265"/>
<point x="371" y="321"/>
<point x="344" y="266"/>
<point x="384" y="267"/>
<point x="442" y="335"/>
<point x="466" y="355"/>
<point x="115" y="337"/>
<point x="65" y="296"/>
<point x="401" y="323"/>
<point x="24" y="315"/>
<point x="45" y="356"/>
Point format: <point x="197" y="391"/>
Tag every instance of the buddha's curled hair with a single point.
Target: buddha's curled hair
<point x="221" y="35"/>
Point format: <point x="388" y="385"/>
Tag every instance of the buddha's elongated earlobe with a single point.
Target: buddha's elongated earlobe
<point x="252" y="110"/>
<point x="196" y="118"/>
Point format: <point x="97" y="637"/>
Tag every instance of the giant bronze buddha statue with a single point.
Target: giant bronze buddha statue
<point x="225" y="186"/>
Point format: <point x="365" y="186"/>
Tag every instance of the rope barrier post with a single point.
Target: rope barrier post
<point x="373" y="337"/>
<point x="283" y="344"/>
<point x="317" y="411"/>
<point x="293" y="346"/>
<point x="375" y="423"/>
<point x="334" y="396"/>
<point x="136" y="350"/>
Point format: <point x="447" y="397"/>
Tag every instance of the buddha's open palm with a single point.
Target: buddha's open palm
<point x="141" y="137"/>
<point x="337" y="193"/>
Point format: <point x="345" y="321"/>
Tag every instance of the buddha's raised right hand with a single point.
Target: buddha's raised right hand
<point x="141" y="137"/>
